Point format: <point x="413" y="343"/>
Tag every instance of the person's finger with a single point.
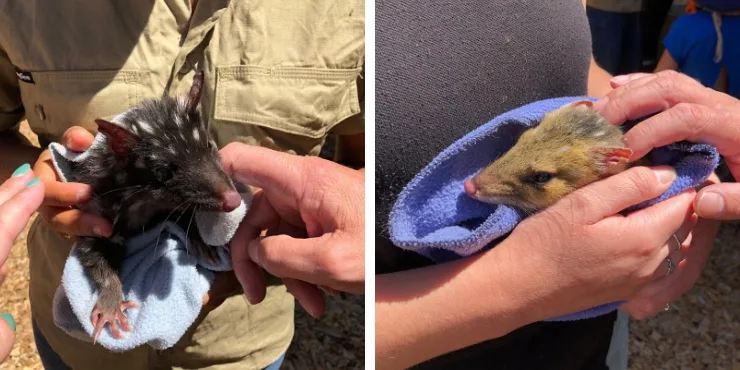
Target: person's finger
<point x="14" y="215"/>
<point x="308" y="295"/>
<point x="719" y="202"/>
<point x="7" y="336"/>
<point x="262" y="167"/>
<point x="77" y="139"/>
<point x="621" y="80"/>
<point x="621" y="86"/>
<point x="288" y="257"/>
<point x="75" y="222"/>
<point x="665" y="90"/>
<point x="691" y="122"/>
<point x="651" y="299"/>
<point x="675" y="248"/>
<point x="247" y="272"/>
<point x="59" y="194"/>
<point x="664" y="218"/>
<point x="22" y="176"/>
<point x="615" y="193"/>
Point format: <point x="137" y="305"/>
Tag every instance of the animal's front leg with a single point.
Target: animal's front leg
<point x="101" y="259"/>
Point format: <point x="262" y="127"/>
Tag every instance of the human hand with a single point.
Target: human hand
<point x="313" y="212"/>
<point x="694" y="255"/>
<point x="20" y="196"/>
<point x="581" y="252"/>
<point x="60" y="200"/>
<point x="688" y="111"/>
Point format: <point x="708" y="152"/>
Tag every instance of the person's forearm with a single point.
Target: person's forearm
<point x="15" y="150"/>
<point x="598" y="80"/>
<point x="427" y="312"/>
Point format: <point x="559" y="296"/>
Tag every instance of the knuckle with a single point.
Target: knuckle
<point x="331" y="261"/>
<point x="643" y="179"/>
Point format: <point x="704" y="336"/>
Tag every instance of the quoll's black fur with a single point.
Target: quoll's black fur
<point x="159" y="163"/>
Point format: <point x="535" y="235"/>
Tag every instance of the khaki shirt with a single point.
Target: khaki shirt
<point x="278" y="73"/>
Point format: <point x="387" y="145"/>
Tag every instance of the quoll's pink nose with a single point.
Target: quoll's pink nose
<point x="231" y="201"/>
<point x="470" y="187"/>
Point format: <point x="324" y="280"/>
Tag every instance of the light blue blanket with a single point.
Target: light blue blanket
<point x="158" y="274"/>
<point x="435" y="218"/>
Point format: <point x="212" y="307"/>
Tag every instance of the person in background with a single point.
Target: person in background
<point x="20" y="197"/>
<point x="654" y="14"/>
<point x="616" y="36"/>
<point x="703" y="44"/>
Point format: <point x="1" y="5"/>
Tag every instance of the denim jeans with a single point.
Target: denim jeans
<point x="52" y="361"/>
<point x="616" y="39"/>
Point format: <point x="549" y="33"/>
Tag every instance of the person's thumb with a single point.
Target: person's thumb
<point x="615" y="193"/>
<point x="7" y="336"/>
<point x="288" y="257"/>
<point x="718" y="202"/>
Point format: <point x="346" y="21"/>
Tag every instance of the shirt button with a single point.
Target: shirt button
<point x="40" y="112"/>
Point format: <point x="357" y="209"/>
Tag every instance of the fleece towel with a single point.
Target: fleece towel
<point x="157" y="273"/>
<point x="435" y="218"/>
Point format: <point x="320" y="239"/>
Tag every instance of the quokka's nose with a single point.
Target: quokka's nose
<point x="470" y="187"/>
<point x="231" y="200"/>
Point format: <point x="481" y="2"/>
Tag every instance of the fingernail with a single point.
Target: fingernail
<point x="601" y="103"/>
<point x="9" y="318"/>
<point x="711" y="204"/>
<point x="21" y="170"/>
<point x="33" y="182"/>
<point x="620" y="79"/>
<point x="665" y="175"/>
<point x="83" y="194"/>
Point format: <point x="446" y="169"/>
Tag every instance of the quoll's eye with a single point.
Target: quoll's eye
<point x="541" y="177"/>
<point x="212" y="145"/>
<point x="163" y="173"/>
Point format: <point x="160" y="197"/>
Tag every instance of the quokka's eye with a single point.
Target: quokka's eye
<point x="541" y="177"/>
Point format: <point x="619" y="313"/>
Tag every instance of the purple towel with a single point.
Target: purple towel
<point x="435" y="218"/>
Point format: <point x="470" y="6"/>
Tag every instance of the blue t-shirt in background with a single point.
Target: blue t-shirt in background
<point x="692" y="41"/>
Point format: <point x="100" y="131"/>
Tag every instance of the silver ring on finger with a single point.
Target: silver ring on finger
<point x="678" y="243"/>
<point x="670" y="265"/>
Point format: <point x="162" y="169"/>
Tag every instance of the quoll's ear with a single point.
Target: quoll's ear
<point x="120" y="140"/>
<point x="194" y="94"/>
<point x="585" y="103"/>
<point x="609" y="158"/>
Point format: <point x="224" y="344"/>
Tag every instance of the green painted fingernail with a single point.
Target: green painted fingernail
<point x="33" y="182"/>
<point x="9" y="318"/>
<point x="21" y="170"/>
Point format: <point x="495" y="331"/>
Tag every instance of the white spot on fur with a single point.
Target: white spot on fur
<point x="196" y="134"/>
<point x="171" y="149"/>
<point x="563" y="148"/>
<point x="178" y="121"/>
<point x="145" y="126"/>
<point x="599" y="134"/>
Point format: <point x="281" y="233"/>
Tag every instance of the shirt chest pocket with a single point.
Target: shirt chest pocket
<point x="301" y="102"/>
<point x="55" y="101"/>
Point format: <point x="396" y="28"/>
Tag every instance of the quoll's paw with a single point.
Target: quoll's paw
<point x="101" y="316"/>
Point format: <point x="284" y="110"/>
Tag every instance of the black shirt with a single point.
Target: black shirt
<point x="444" y="68"/>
